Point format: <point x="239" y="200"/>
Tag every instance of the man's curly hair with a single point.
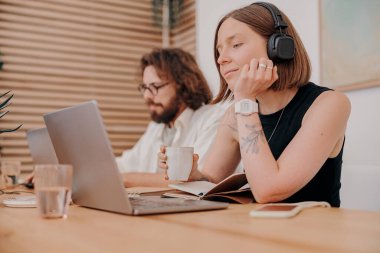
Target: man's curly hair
<point x="179" y="67"/>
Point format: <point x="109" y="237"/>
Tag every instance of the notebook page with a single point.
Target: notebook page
<point x="198" y="188"/>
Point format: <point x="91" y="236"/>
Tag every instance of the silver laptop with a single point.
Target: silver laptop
<point x="79" y="138"/>
<point x="40" y="146"/>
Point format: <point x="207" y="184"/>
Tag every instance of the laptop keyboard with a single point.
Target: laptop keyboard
<point x="155" y="203"/>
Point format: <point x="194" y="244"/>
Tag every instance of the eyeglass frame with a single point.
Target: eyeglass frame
<point x="142" y="87"/>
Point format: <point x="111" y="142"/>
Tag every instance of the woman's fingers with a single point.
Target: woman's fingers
<point x="244" y="71"/>
<point x="268" y="75"/>
<point x="261" y="68"/>
<point x="253" y="67"/>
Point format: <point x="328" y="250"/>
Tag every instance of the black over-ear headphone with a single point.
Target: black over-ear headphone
<point x="280" y="45"/>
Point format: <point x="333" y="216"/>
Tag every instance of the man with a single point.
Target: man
<point x="177" y="95"/>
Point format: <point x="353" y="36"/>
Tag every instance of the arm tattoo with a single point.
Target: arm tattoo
<point x="250" y="142"/>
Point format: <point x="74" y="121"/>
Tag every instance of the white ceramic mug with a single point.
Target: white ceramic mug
<point x="180" y="162"/>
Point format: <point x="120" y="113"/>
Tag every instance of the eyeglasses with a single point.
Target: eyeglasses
<point x="152" y="87"/>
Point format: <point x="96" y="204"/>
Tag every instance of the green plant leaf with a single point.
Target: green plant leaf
<point x="3" y="114"/>
<point x="4" y="94"/>
<point x="10" y="130"/>
<point x="5" y="103"/>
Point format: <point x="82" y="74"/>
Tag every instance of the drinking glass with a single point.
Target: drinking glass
<point x="53" y="184"/>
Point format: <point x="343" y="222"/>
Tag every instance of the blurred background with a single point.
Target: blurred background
<point x="58" y="53"/>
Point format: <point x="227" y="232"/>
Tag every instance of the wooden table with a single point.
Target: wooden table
<point x="231" y="230"/>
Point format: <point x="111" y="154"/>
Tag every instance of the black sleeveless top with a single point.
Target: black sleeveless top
<point x="325" y="185"/>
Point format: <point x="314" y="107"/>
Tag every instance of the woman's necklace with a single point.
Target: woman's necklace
<point x="279" y="118"/>
<point x="278" y="121"/>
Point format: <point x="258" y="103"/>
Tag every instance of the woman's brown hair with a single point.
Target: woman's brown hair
<point x="180" y="67"/>
<point x="294" y="73"/>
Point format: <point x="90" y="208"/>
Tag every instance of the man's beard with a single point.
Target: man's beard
<point x="169" y="113"/>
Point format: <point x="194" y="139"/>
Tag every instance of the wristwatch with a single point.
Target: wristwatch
<point x="246" y="107"/>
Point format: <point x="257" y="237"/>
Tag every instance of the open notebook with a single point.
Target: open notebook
<point x="234" y="188"/>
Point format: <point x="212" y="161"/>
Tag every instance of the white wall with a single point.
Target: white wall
<point x="361" y="160"/>
<point x="363" y="130"/>
<point x="362" y="149"/>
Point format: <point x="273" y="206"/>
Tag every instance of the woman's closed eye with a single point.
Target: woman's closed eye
<point x="237" y="45"/>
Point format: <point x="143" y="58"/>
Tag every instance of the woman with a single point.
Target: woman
<point x="292" y="146"/>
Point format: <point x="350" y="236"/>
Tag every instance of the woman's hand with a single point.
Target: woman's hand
<point x="195" y="174"/>
<point x="255" y="78"/>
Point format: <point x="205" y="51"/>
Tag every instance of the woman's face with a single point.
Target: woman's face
<point x="237" y="45"/>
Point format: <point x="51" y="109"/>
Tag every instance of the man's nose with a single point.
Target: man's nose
<point x="148" y="94"/>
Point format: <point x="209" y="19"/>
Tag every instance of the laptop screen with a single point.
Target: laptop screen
<point x="40" y="146"/>
<point x="80" y="139"/>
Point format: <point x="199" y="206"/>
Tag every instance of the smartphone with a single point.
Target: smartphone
<point x="276" y="210"/>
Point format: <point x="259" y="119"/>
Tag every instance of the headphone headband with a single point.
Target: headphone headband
<point x="277" y="17"/>
<point x="280" y="46"/>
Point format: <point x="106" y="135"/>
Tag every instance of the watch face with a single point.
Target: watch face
<point x="245" y="106"/>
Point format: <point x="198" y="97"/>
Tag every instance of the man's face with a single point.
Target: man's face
<point x="164" y="105"/>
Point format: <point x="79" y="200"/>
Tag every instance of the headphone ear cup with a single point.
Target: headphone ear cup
<point x="272" y="46"/>
<point x="280" y="47"/>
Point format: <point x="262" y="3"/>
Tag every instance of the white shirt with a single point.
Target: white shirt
<point x="193" y="129"/>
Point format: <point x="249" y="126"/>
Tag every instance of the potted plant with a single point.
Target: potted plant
<point x="4" y="102"/>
